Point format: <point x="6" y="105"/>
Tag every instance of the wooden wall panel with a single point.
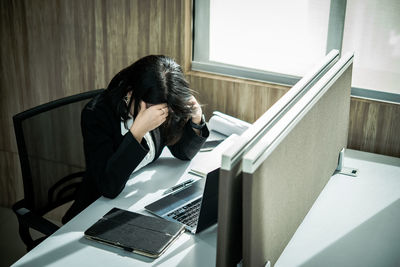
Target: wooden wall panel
<point x="10" y="178"/>
<point x="246" y="100"/>
<point x="374" y="127"/>
<point x="12" y="69"/>
<point x="55" y="48"/>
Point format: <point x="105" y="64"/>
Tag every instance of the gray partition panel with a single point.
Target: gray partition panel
<point x="288" y="168"/>
<point x="229" y="244"/>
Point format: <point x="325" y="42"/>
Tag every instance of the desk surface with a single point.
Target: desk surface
<point x="69" y="247"/>
<point x="354" y="220"/>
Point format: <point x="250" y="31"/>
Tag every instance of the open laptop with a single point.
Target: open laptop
<point x="195" y="206"/>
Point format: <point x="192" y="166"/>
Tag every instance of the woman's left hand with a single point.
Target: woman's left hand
<point x="197" y="112"/>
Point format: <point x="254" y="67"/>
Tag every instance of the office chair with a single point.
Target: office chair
<point x="50" y="148"/>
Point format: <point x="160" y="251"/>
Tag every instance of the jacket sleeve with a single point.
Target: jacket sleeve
<point x="108" y="166"/>
<point x="190" y="143"/>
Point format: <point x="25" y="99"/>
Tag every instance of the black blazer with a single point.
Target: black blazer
<point x="111" y="157"/>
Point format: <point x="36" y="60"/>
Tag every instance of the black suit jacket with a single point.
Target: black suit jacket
<point x="111" y="157"/>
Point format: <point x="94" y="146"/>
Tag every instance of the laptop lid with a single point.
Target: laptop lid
<point x="206" y="188"/>
<point x="209" y="205"/>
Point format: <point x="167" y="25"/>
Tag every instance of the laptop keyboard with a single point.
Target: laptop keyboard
<point x="188" y="214"/>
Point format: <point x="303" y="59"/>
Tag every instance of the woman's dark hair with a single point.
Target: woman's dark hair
<point x="154" y="79"/>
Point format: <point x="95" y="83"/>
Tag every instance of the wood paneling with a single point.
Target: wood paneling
<point x="246" y="100"/>
<point x="10" y="178"/>
<point x="374" y="127"/>
<point x="55" y="48"/>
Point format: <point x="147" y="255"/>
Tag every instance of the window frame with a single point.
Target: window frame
<point x="201" y="62"/>
<point x="201" y="46"/>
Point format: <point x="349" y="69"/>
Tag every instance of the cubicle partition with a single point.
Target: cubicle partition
<point x="287" y="168"/>
<point x="229" y="243"/>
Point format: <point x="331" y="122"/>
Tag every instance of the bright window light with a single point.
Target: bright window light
<point x="286" y="36"/>
<point x="372" y="31"/>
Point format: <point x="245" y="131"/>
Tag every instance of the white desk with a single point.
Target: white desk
<point x="68" y="247"/>
<point x="354" y="222"/>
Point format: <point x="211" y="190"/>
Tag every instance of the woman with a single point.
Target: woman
<point x="146" y="107"/>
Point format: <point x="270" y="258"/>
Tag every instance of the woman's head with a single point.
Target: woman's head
<point x="153" y="79"/>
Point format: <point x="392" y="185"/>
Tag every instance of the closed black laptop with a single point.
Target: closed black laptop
<point x="141" y="234"/>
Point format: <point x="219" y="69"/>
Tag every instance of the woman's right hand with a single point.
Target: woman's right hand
<point x="148" y="119"/>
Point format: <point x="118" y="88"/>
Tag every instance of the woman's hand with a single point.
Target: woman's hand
<point x="148" y="119"/>
<point x="197" y="112"/>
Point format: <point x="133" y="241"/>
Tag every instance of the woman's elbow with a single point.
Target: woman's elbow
<point x="109" y="193"/>
<point x="180" y="155"/>
<point x="108" y="187"/>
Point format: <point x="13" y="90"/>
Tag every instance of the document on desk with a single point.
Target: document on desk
<point x="227" y="125"/>
<point x="222" y="126"/>
<point x="134" y="232"/>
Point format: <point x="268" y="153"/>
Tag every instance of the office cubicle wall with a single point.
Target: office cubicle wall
<point x="229" y="244"/>
<point x="286" y="170"/>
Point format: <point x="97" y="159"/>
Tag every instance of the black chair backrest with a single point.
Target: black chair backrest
<point x="50" y="148"/>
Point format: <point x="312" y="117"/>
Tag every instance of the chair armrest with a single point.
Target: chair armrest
<point x="35" y="221"/>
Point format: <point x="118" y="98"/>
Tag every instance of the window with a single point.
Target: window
<point x="276" y="41"/>
<point x="372" y="31"/>
<point x="279" y="41"/>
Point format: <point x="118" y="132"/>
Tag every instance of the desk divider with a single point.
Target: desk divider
<point x="229" y="243"/>
<point x="286" y="170"/>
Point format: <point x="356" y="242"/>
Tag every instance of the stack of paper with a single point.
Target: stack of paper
<point x="227" y="125"/>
